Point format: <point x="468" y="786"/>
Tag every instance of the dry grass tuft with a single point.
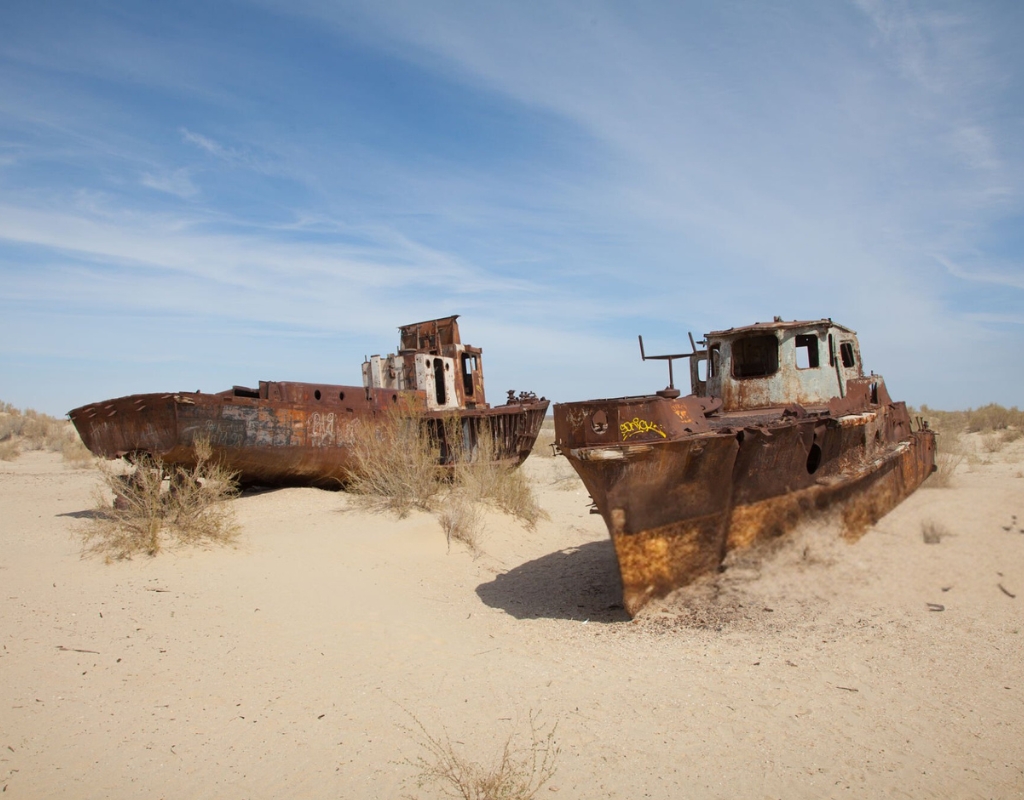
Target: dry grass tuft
<point x="398" y="469"/>
<point x="516" y="773"/>
<point x="9" y="450"/>
<point x="949" y="456"/>
<point x="187" y="507"/>
<point x="397" y="465"/>
<point x="933" y="532"/>
<point x="483" y="478"/>
<point x="461" y="519"/>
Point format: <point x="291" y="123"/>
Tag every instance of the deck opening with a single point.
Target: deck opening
<point x="807" y="351"/>
<point x="755" y="356"/>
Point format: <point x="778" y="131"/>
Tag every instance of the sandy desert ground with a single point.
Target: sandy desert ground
<point x="297" y="662"/>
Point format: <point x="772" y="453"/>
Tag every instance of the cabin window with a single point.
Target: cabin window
<point x="714" y="360"/>
<point x="468" y="368"/>
<point x="846" y="353"/>
<point x="755" y="356"/>
<point x="439" y="390"/>
<point x="807" y="351"/>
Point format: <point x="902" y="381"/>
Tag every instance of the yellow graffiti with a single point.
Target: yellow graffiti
<point x="637" y="426"/>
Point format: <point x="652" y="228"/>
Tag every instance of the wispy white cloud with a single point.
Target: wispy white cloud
<point x="1011" y="278"/>
<point x="178" y="182"/>
<point x="570" y="175"/>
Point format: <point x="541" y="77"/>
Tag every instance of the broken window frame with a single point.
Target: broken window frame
<point x="748" y="363"/>
<point x="847" y="354"/>
<point x="808" y="343"/>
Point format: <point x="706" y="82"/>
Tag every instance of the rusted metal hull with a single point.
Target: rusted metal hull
<point x="680" y="485"/>
<point x="289" y="434"/>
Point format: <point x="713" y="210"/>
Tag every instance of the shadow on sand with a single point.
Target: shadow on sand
<point x="580" y="583"/>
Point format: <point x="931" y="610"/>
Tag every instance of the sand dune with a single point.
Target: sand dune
<point x="297" y="662"/>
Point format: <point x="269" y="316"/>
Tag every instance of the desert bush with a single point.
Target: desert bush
<point x="481" y="476"/>
<point x="933" y="532"/>
<point x="398" y="468"/>
<point x="76" y="453"/>
<point x="397" y="464"/>
<point x="991" y="417"/>
<point x="9" y="450"/>
<point x="460" y="519"/>
<point x="31" y="430"/>
<point x="1011" y="435"/>
<point x="949" y="456"/>
<point x="187" y="507"/>
<point x="516" y="773"/>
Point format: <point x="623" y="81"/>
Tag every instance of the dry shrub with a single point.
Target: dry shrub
<point x="933" y="532"/>
<point x="992" y="417"/>
<point x="9" y="450"/>
<point x="950" y="455"/>
<point x="992" y="443"/>
<point x="31" y="430"/>
<point x="461" y="519"/>
<point x="516" y="773"/>
<point x="75" y="453"/>
<point x="398" y="468"/>
<point x="484" y="478"/>
<point x="188" y="507"/>
<point x="397" y="464"/>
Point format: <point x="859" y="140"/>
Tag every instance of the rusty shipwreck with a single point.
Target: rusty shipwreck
<point x="781" y="422"/>
<point x="300" y="434"/>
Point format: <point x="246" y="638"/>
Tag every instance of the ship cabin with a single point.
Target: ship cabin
<point x="432" y="359"/>
<point x="776" y="364"/>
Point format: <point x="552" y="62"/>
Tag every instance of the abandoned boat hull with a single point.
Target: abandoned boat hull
<point x="275" y="443"/>
<point x="287" y="433"/>
<point x="682" y="481"/>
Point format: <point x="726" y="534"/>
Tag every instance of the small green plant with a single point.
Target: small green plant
<point x="188" y="506"/>
<point x="516" y="773"/>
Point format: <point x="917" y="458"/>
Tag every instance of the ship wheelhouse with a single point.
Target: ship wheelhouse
<point x="776" y="364"/>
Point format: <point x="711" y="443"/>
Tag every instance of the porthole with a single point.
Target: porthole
<point x="341" y="395"/>
<point x="316" y="394"/>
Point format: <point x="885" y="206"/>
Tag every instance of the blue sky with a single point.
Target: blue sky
<point x="196" y="195"/>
